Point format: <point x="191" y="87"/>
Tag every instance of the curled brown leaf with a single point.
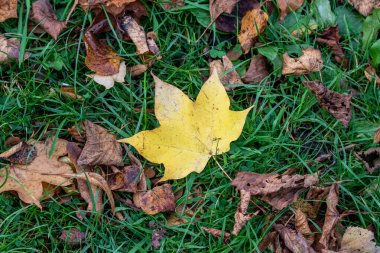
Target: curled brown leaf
<point x="310" y="61"/>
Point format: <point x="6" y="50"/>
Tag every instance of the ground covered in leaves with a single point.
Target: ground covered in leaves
<point x="76" y="76"/>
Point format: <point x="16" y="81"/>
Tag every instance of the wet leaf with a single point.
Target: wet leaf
<point x="277" y="190"/>
<point x="339" y="105"/>
<point x="100" y="58"/>
<point x="241" y="215"/>
<point x="310" y="61"/>
<point x="253" y="23"/>
<point x="73" y="236"/>
<point x="287" y="6"/>
<point x="27" y="180"/>
<point x="10" y="49"/>
<point x="331" y="38"/>
<point x="218" y="233"/>
<point x="8" y="9"/>
<point x="101" y="147"/>
<point x="364" y="7"/>
<point x="370" y="158"/>
<point x="159" y="199"/>
<point x="43" y="14"/>
<point x="293" y="240"/>
<point x="257" y="71"/>
<point x="227" y="73"/>
<point x="183" y="142"/>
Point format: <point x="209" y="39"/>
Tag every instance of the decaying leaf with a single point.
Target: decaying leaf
<point x="218" y="7"/>
<point x="12" y="141"/>
<point x="69" y="92"/>
<point x="241" y="215"/>
<point x="293" y="240"/>
<point x="302" y="226"/>
<point x="218" y="233"/>
<point x="190" y="132"/>
<point x="332" y="216"/>
<point x="112" y="6"/>
<point x="109" y="81"/>
<point x="136" y="33"/>
<point x="358" y="240"/>
<point x="253" y="23"/>
<point x="100" y="58"/>
<point x="101" y="147"/>
<point x="315" y="197"/>
<point x="370" y="158"/>
<point x="43" y="14"/>
<point x="365" y="7"/>
<point x="339" y="105"/>
<point x="159" y="199"/>
<point x="77" y="133"/>
<point x="376" y="137"/>
<point x="172" y="4"/>
<point x="8" y="9"/>
<point x="310" y="61"/>
<point x="287" y="6"/>
<point x="157" y="236"/>
<point x="10" y="49"/>
<point x="21" y="153"/>
<point x="93" y="199"/>
<point x="257" y="71"/>
<point x="128" y="179"/>
<point x="137" y="70"/>
<point x="27" y="179"/>
<point x="331" y="37"/>
<point x="227" y="74"/>
<point x="277" y="190"/>
<point x="73" y="236"/>
<point x="370" y="74"/>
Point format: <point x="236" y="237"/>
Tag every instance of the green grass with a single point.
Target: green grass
<point x="31" y="108"/>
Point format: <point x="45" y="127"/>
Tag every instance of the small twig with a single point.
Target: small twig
<point x="220" y="166"/>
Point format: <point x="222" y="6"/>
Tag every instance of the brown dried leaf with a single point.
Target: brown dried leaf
<point x="277" y="190"/>
<point x="218" y="233"/>
<point x="358" y="240"/>
<point x="310" y="61"/>
<point x="21" y="153"/>
<point x="376" y="137"/>
<point x="27" y="180"/>
<point x="100" y="58"/>
<point x="10" y="49"/>
<point x="302" y="226"/>
<point x="257" y="71"/>
<point x="159" y="199"/>
<point x="332" y="216"/>
<point x="370" y="158"/>
<point x="241" y="215"/>
<point x="218" y="7"/>
<point x="287" y="6"/>
<point x="131" y="176"/>
<point x="73" y="153"/>
<point x="109" y="81"/>
<point x="226" y="72"/>
<point x="12" y="141"/>
<point x="101" y="147"/>
<point x="151" y="41"/>
<point x="370" y="74"/>
<point x="339" y="105"/>
<point x="8" y="9"/>
<point x="114" y="7"/>
<point x="43" y="14"/>
<point x="157" y="236"/>
<point x="253" y="23"/>
<point x="172" y="4"/>
<point x="137" y="70"/>
<point x="73" y="237"/>
<point x="314" y="197"/>
<point x="77" y="134"/>
<point x="331" y="37"/>
<point x="234" y="53"/>
<point x="69" y="92"/>
<point x="365" y="7"/>
<point x="293" y="240"/>
<point x="136" y="33"/>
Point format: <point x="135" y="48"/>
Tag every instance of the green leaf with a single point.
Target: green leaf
<point x="348" y="21"/>
<point x="54" y="61"/>
<point x="371" y="27"/>
<point x="202" y="16"/>
<point x="327" y="17"/>
<point x="269" y="52"/>
<point x="374" y="52"/>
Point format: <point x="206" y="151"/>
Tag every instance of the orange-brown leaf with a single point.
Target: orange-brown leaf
<point x="8" y="9"/>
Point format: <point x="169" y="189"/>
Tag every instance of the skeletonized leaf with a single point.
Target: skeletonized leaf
<point x="339" y="105"/>
<point x="253" y="23"/>
<point x="277" y="190"/>
<point x="8" y="9"/>
<point x="43" y="14"/>
<point x="101" y="147"/>
<point x="183" y="142"/>
<point x="310" y="61"/>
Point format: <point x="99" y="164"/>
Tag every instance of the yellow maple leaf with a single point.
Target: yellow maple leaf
<point x="190" y="132"/>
